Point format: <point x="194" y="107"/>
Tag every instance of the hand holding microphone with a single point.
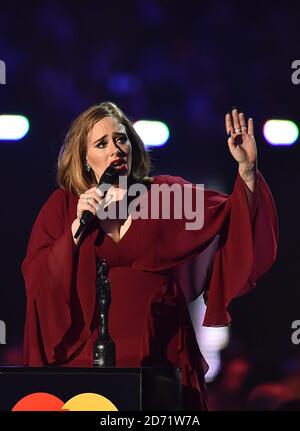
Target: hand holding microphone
<point x="88" y="201"/>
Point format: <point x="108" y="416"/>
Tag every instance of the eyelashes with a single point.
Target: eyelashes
<point x="120" y="140"/>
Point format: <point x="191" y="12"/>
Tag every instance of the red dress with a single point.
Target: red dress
<point x="155" y="269"/>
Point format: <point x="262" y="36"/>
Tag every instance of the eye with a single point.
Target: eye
<point x="121" y="139"/>
<point x="101" y="144"/>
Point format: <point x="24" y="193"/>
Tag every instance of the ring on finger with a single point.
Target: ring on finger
<point x="89" y="201"/>
<point x="237" y="130"/>
<point x="243" y="126"/>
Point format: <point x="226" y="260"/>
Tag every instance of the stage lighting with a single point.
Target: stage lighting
<point x="152" y="133"/>
<point x="13" y="127"/>
<point x="280" y="132"/>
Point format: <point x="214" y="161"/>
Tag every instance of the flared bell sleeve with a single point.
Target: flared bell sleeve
<point x="50" y="273"/>
<point x="247" y="249"/>
<point x="223" y="259"/>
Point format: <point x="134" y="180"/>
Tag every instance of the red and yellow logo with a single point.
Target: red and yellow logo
<point x="42" y="401"/>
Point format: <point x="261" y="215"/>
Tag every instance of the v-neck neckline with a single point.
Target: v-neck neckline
<point x="116" y="243"/>
<point x="127" y="233"/>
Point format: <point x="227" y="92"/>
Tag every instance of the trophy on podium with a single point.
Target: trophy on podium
<point x="104" y="347"/>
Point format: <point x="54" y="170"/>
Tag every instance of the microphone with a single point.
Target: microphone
<point x="108" y="177"/>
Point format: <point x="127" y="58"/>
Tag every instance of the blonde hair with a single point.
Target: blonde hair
<point x="71" y="173"/>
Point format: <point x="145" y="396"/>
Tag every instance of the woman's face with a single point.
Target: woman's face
<point x="107" y="143"/>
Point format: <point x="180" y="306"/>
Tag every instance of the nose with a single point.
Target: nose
<point x="116" y="151"/>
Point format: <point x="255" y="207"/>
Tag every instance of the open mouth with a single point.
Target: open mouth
<point x="119" y="164"/>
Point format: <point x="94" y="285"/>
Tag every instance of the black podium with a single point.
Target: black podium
<point x="130" y="389"/>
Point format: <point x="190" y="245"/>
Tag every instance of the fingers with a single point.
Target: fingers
<point x="94" y="193"/>
<point x="250" y="126"/>
<point x="243" y="122"/>
<point x="88" y="201"/>
<point x="232" y="122"/>
<point x="85" y="207"/>
<point x="236" y="121"/>
<point x="228" y="124"/>
<point x="90" y="197"/>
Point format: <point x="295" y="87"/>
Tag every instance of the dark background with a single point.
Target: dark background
<point x="185" y="63"/>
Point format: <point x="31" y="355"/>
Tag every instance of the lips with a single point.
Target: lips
<point x="119" y="164"/>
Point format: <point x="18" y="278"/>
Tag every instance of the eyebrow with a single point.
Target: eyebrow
<point x="115" y="135"/>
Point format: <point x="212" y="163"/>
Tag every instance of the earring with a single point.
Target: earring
<point x="86" y="166"/>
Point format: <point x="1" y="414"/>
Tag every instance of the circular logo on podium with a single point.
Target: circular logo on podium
<point x="42" y="401"/>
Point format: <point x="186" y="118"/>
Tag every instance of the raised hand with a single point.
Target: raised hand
<point x="242" y="146"/>
<point x="241" y="140"/>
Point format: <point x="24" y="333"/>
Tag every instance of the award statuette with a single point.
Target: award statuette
<point x="104" y="347"/>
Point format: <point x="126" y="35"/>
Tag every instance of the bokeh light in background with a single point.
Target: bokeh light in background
<point x="280" y="132"/>
<point x="152" y="133"/>
<point x="211" y="340"/>
<point x="13" y="127"/>
<point x="123" y="84"/>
